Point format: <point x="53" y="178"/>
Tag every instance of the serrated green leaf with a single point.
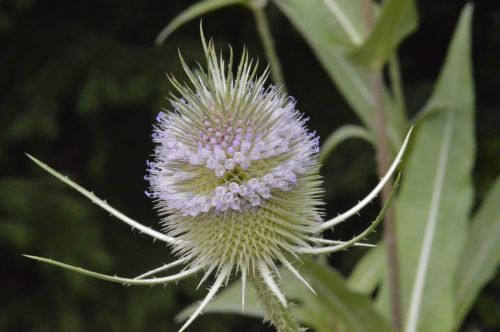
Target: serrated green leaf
<point x="436" y="195"/>
<point x="334" y="29"/>
<point x="397" y="20"/>
<point x="192" y="12"/>
<point x="481" y="256"/>
<point x="335" y="304"/>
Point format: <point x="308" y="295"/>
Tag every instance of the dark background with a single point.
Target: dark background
<point x="80" y="86"/>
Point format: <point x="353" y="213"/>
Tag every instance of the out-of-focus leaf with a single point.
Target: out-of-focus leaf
<point x="192" y="12"/>
<point x="347" y="16"/>
<point x="351" y="311"/>
<point x="333" y="306"/>
<point x="369" y="271"/>
<point x="397" y="20"/>
<point x="326" y="36"/>
<point x="436" y="194"/>
<point x="228" y="301"/>
<point x="323" y="27"/>
<point x="341" y="134"/>
<point x="15" y="234"/>
<point x="89" y="99"/>
<point x="481" y="255"/>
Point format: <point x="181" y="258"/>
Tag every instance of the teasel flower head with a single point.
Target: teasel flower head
<point x="235" y="170"/>
<point x="235" y="179"/>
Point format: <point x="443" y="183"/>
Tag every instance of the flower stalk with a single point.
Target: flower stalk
<point x="280" y="316"/>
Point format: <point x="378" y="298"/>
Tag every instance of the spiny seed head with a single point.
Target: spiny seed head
<point x="235" y="171"/>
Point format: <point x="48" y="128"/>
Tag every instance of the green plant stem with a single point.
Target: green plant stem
<point x="383" y="162"/>
<point x="268" y="44"/>
<point x="280" y="316"/>
<point x="397" y="90"/>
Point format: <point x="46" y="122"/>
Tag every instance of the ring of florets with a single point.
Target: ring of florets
<point x="246" y="164"/>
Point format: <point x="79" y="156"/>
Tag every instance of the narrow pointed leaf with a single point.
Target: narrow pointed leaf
<point x="196" y="10"/>
<point x="481" y="256"/>
<point x="375" y="191"/>
<point x="397" y="20"/>
<point x="436" y="195"/>
<point x="129" y="281"/>
<point x="364" y="234"/>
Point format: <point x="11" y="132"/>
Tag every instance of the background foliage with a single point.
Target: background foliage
<point x="81" y="83"/>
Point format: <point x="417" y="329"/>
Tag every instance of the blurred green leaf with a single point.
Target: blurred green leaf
<point x="38" y="227"/>
<point x="347" y="16"/>
<point x="333" y="306"/>
<point x="16" y="234"/>
<point x="351" y="310"/>
<point x="339" y="135"/>
<point x="436" y="195"/>
<point x="89" y="99"/>
<point x="397" y="20"/>
<point x="331" y="44"/>
<point x="324" y="29"/>
<point x="228" y="301"/>
<point x="481" y="255"/>
<point x="192" y="12"/>
<point x="369" y="271"/>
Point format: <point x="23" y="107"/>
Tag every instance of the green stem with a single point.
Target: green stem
<point x="383" y="162"/>
<point x="268" y="44"/>
<point x="280" y="316"/>
<point x="397" y="89"/>
<point x="390" y="239"/>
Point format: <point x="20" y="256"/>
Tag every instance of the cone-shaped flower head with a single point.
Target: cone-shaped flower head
<point x="235" y="171"/>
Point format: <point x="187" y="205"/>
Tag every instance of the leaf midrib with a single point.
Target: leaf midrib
<point x="432" y="219"/>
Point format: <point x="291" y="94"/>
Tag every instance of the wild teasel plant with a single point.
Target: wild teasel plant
<point x="235" y="179"/>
